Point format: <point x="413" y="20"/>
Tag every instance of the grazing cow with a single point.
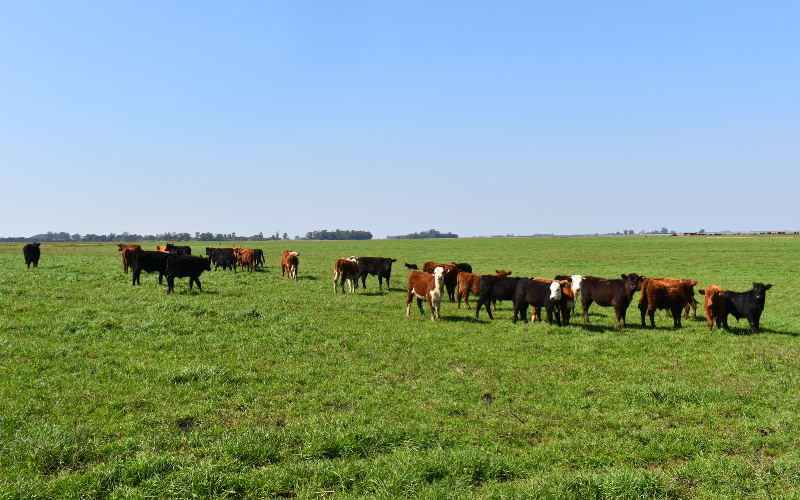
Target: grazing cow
<point x="468" y="282"/>
<point x="127" y="252"/>
<point x="714" y="305"/>
<point x="178" y="250"/>
<point x="426" y="286"/>
<point x="32" y="253"/>
<point x="672" y="295"/>
<point x="692" y="303"/>
<point x="246" y="258"/>
<point x="748" y="305"/>
<point x="289" y="264"/>
<point x="186" y="266"/>
<point x="346" y="270"/>
<point x="224" y="257"/>
<point x="411" y="266"/>
<point x="575" y="283"/>
<point x="493" y="288"/>
<point x="149" y="262"/>
<point x="616" y="293"/>
<point x="376" y="266"/>
<point x="464" y="267"/>
<point x="538" y="294"/>
<point x="258" y="254"/>
<point x="450" y="276"/>
<point x="566" y="304"/>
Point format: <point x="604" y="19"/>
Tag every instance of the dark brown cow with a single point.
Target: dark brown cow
<point x="450" y="276"/>
<point x="289" y="264"/>
<point x="468" y="283"/>
<point x="423" y="285"/>
<point x="616" y="293"/>
<point x="127" y="255"/>
<point x="566" y="304"/>
<point x="672" y="295"/>
<point x="346" y="270"/>
<point x="692" y="304"/>
<point x="714" y="305"/>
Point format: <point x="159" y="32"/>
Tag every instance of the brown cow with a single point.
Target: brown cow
<point x="162" y="249"/>
<point x="468" y="282"/>
<point x="566" y="304"/>
<point x="289" y="264"/>
<point x="692" y="303"/>
<point x="426" y="286"/>
<point x="246" y="258"/>
<point x="663" y="294"/>
<point x="450" y="276"/>
<point x="346" y="269"/>
<point x="714" y="304"/>
<point x="127" y="257"/>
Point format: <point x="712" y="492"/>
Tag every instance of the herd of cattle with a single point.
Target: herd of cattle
<point x="558" y="296"/>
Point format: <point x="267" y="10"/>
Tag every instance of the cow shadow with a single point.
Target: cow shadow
<point x="311" y="278"/>
<point x="370" y="294"/>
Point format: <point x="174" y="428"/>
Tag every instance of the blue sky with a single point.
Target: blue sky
<point x="472" y="117"/>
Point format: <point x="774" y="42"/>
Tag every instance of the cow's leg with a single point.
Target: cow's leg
<point x="585" y="303"/>
<point x="549" y="311"/>
<point x="170" y="284"/>
<point x="652" y="314"/>
<point x="197" y="280"/>
<point x="494" y="305"/>
<point x="676" y="317"/>
<point x="432" y="307"/>
<point x="419" y="304"/>
<point x="408" y="304"/>
<point x="336" y="282"/>
<point x="488" y="311"/>
<point x="160" y="277"/>
<point x="380" y="282"/>
<point x="643" y="311"/>
<point x="557" y="314"/>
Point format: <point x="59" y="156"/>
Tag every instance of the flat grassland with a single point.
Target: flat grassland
<point x="258" y="387"/>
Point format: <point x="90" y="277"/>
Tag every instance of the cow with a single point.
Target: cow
<point x="538" y="294"/>
<point x="464" y="267"/>
<point x="714" y="305"/>
<point x="566" y="304"/>
<point x="32" y="253"/>
<point x="346" y="270"/>
<point x="749" y="304"/>
<point x="127" y="253"/>
<point x="186" y="266"/>
<point x="376" y="266"/>
<point x="258" y="254"/>
<point x="423" y="285"/>
<point x="224" y="257"/>
<point x="289" y="264"/>
<point x="672" y="295"/>
<point x="411" y="266"/>
<point x="575" y="283"/>
<point x="493" y="288"/>
<point x="468" y="282"/>
<point x="450" y="276"/>
<point x="149" y="262"/>
<point x="178" y="250"/>
<point x="616" y="293"/>
<point x="162" y="249"/>
<point x="691" y="304"/>
<point x="246" y="258"/>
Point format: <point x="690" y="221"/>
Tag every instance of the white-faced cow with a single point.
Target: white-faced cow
<point x="346" y="270"/>
<point x="538" y="294"/>
<point x="423" y="285"/>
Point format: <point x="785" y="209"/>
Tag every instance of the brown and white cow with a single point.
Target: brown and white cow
<point x="423" y="285"/>
<point x="127" y="255"/>
<point x="566" y="303"/>
<point x="672" y="295"/>
<point x="289" y="263"/>
<point x="468" y="283"/>
<point x="451" y="272"/>
<point x="714" y="305"/>
<point x="346" y="269"/>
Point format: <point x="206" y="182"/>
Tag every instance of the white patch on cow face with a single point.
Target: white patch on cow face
<point x="555" y="290"/>
<point x="577" y="279"/>
<point x="352" y="258"/>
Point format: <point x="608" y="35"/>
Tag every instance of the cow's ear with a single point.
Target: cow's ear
<point x="754" y="284"/>
<point x="624" y="276"/>
<point x="768" y="287"/>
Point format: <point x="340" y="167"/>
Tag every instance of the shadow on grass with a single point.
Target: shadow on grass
<point x="311" y="278"/>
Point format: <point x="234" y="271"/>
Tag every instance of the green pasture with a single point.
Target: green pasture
<point x="258" y="387"/>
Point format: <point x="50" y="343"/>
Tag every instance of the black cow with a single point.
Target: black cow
<point x="178" y="250"/>
<point x="492" y="288"/>
<point x="464" y="267"/>
<point x="258" y="255"/>
<point x="376" y="266"/>
<point x="616" y="293"/>
<point x="186" y="266"/>
<point x="411" y="266"/>
<point x="149" y="262"/>
<point x="32" y="253"/>
<point x="224" y="257"/>
<point x="538" y="294"/>
<point x="748" y="305"/>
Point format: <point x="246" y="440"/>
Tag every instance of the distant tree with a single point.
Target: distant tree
<point x="285" y="236"/>
<point x="702" y="231"/>
<point x="664" y="230"/>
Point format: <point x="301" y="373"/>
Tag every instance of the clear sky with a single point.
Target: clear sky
<point x="478" y="118"/>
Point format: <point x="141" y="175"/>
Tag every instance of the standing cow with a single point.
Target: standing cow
<point x="672" y="295"/>
<point x="346" y="270"/>
<point x="289" y="263"/>
<point x="127" y="254"/>
<point x="185" y="266"/>
<point x="450" y="276"/>
<point x="538" y="294"/>
<point x="714" y="305"/>
<point x="616" y="293"/>
<point x="423" y="285"/>
<point x="32" y="253"/>
<point x="749" y="304"/>
<point x="376" y="266"/>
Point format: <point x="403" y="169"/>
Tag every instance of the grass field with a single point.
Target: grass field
<point x="259" y="387"/>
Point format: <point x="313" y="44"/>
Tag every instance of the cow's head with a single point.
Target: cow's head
<point x="760" y="290"/>
<point x="438" y="276"/>
<point x="633" y="283"/>
<point x="555" y="290"/>
<point x="576" y="281"/>
<point x="207" y="264"/>
<point x="502" y="272"/>
<point x="353" y="258"/>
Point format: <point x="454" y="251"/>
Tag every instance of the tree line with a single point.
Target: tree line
<point x="431" y="233"/>
<point x="63" y="237"/>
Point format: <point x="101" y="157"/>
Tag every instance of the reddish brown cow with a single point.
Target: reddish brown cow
<point x="346" y="269"/>
<point x="451" y="272"/>
<point x="662" y="294"/>
<point x="567" y="303"/>
<point x="468" y="282"/>
<point x="127" y="257"/>
<point x="162" y="249"/>
<point x="289" y="264"/>
<point x="246" y="258"/>
<point x="423" y="285"/>
<point x="692" y="303"/>
<point x="714" y="305"/>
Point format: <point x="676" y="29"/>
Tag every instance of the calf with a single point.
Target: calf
<point x="246" y="258"/>
<point x="468" y="282"/>
<point x="177" y="250"/>
<point x="225" y="257"/>
<point x="692" y="303"/>
<point x="411" y="266"/>
<point x="566" y="304"/>
<point x="186" y="266"/>
<point x="127" y="252"/>
<point x="748" y="305"/>
<point x="423" y="285"/>
<point x="346" y="270"/>
<point x="714" y="305"/>
<point x="289" y="264"/>
<point x="616" y="293"/>
<point x="537" y="294"/>
<point x="149" y="262"/>
<point x="376" y="266"/>
<point x="258" y="255"/>
<point x="450" y="276"/>
<point x="575" y="283"/>
<point x="672" y="295"/>
<point x="493" y="288"/>
<point x="32" y="253"/>
<point x="464" y="267"/>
